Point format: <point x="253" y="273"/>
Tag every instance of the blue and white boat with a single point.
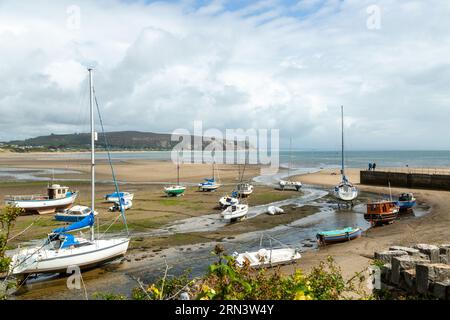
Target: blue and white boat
<point x="74" y="214"/>
<point x="114" y="197"/>
<point x="406" y="201"/>
<point x="61" y="250"/>
<point x="336" y="236"/>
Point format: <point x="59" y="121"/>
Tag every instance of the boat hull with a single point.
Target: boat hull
<point x="382" y="218"/>
<point x="50" y="261"/>
<point x="173" y="192"/>
<point x="290" y="185"/>
<point x="325" y="239"/>
<point x="232" y="215"/>
<point x="114" y="198"/>
<point x="268" y="258"/>
<point x="44" y="206"/>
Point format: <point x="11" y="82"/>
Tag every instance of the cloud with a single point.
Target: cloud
<point x="265" y="64"/>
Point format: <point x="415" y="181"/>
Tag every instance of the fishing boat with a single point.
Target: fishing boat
<point x="344" y="191"/>
<point x="74" y="214"/>
<point x="210" y="185"/>
<point x="382" y="212"/>
<point x="228" y="200"/>
<point x="267" y="257"/>
<point x="336" y="236"/>
<point x="114" y="197"/>
<point x="272" y="210"/>
<point x="289" y="184"/>
<point x="58" y="198"/>
<point x="235" y="212"/>
<point x="61" y="249"/>
<point x="175" y="190"/>
<point x="406" y="201"/>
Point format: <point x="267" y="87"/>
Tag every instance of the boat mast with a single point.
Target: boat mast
<point x="91" y="96"/>
<point x="178" y="169"/>
<point x="342" y="151"/>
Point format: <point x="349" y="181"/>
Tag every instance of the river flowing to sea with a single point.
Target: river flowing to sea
<point x="120" y="277"/>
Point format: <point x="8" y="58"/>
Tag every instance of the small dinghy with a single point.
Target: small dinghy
<point x="287" y="184"/>
<point x="74" y="214"/>
<point x="235" y="212"/>
<point x="227" y="200"/>
<point x="267" y="257"/>
<point x="114" y="197"/>
<point x="272" y="210"/>
<point x="126" y="204"/>
<point x="244" y="189"/>
<point x="336" y="236"/>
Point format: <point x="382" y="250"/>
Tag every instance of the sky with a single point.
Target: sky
<point x="269" y="64"/>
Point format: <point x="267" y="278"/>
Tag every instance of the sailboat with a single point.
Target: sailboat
<point x="61" y="249"/>
<point x="289" y="184"/>
<point x="244" y="189"/>
<point x="344" y="191"/>
<point x="210" y="184"/>
<point x="175" y="190"/>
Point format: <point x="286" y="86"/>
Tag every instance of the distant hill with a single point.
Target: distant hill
<point x="123" y="140"/>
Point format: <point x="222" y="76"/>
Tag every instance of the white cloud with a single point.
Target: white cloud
<point x="160" y="66"/>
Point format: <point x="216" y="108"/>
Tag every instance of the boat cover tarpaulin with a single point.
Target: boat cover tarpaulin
<point x="86" y="222"/>
<point x="69" y="241"/>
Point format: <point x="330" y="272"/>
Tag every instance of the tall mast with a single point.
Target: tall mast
<point x="342" y="151"/>
<point x="178" y="169"/>
<point x="290" y="158"/>
<point x="91" y="94"/>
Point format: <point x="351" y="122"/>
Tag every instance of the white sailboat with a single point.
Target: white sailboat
<point x="289" y="184"/>
<point x="235" y="212"/>
<point x="345" y="190"/>
<point x="210" y="184"/>
<point x="61" y="249"/>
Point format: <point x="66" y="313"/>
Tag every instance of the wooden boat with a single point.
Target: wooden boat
<point x="235" y="212"/>
<point x="267" y="257"/>
<point x="336" y="236"/>
<point x="382" y="212"/>
<point x="406" y="201"/>
<point x="58" y="198"/>
<point x="74" y="214"/>
<point x="344" y="191"/>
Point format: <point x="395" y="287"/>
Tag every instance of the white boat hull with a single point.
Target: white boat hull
<point x="232" y="201"/>
<point x="235" y="212"/>
<point x="44" y="206"/>
<point x="32" y="260"/>
<point x="272" y="210"/>
<point x="268" y="257"/>
<point x="346" y="193"/>
<point x="290" y="184"/>
<point x="127" y="197"/>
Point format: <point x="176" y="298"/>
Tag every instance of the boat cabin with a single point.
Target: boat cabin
<point x="55" y="191"/>
<point x="384" y="207"/>
<point x="406" y="197"/>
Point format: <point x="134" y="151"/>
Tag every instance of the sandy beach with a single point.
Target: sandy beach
<point x="153" y="212"/>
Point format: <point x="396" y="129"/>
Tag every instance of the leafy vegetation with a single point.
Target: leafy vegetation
<point x="225" y="280"/>
<point x="8" y="217"/>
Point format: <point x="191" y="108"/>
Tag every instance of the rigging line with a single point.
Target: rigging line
<point x="23" y="231"/>
<point x="122" y="210"/>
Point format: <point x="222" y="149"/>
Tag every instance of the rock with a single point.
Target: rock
<point x="441" y="290"/>
<point x="410" y="251"/>
<point x="403" y="263"/>
<point x="430" y="250"/>
<point x="386" y="270"/>
<point x="431" y="272"/>
<point x="444" y="254"/>
<point x="184" y="296"/>
<point x="409" y="277"/>
<point x="386" y="256"/>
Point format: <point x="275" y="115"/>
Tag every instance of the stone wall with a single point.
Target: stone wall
<point x="406" y="180"/>
<point x="421" y="269"/>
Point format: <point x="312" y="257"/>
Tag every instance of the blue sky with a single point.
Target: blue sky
<point x="268" y="64"/>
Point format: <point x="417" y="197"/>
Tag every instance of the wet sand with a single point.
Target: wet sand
<point x="356" y="255"/>
<point x="153" y="212"/>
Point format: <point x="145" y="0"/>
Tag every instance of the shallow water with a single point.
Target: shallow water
<point x="120" y="278"/>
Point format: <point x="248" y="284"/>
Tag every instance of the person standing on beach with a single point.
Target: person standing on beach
<point x="373" y="166"/>
<point x="370" y="166"/>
